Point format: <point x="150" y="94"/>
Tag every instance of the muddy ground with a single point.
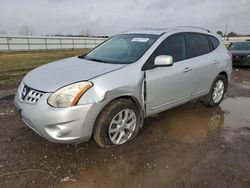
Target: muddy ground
<point x="189" y="146"/>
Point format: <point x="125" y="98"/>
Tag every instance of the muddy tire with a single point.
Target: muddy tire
<point x="118" y="123"/>
<point x="216" y="93"/>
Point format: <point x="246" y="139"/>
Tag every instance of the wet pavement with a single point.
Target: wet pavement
<point x="188" y="146"/>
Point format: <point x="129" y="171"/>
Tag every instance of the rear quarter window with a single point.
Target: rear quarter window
<point x="198" y="44"/>
<point x="214" y="41"/>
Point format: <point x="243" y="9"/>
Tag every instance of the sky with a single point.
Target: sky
<point x="108" y="17"/>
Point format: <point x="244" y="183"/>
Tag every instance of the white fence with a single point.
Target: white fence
<point x="30" y="43"/>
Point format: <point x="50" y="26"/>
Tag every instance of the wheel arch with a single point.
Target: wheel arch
<point x="126" y="97"/>
<point x="223" y="73"/>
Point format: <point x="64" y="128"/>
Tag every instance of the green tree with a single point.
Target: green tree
<point x="219" y="33"/>
<point x="232" y="34"/>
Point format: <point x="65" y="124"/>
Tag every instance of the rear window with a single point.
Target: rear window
<point x="215" y="42"/>
<point x="198" y="44"/>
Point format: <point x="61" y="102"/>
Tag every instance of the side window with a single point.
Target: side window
<point x="198" y="44"/>
<point x="174" y="46"/>
<point x="215" y="42"/>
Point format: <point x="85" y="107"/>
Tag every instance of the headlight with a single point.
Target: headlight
<point x="68" y="95"/>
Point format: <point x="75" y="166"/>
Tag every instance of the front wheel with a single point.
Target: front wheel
<point x="118" y="123"/>
<point x="216" y="93"/>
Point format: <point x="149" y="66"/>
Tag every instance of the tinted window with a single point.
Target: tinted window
<point x="198" y="44"/>
<point x="214" y="41"/>
<point x="174" y="46"/>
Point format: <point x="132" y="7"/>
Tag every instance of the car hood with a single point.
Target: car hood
<point x="53" y="76"/>
<point x="240" y="52"/>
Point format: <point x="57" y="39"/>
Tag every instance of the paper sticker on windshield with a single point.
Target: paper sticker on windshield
<point x="140" y="40"/>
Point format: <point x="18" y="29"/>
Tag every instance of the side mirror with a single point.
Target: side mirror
<point x="163" y="60"/>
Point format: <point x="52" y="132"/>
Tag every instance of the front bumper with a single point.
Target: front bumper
<point x="241" y="62"/>
<point x="60" y="125"/>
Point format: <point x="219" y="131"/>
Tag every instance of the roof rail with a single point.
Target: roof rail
<point x="194" y="27"/>
<point x="165" y="30"/>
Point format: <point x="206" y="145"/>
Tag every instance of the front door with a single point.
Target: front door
<point x="169" y="86"/>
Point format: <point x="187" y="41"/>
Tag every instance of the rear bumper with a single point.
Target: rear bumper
<point x="59" y="125"/>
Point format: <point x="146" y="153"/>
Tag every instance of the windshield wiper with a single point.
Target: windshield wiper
<point x="97" y="60"/>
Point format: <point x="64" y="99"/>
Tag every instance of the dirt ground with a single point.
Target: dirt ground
<point x="188" y="146"/>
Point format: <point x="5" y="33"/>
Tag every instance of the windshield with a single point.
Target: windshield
<point x="240" y="46"/>
<point x="122" y="49"/>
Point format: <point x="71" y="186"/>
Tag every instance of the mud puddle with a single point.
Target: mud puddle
<point x="237" y="112"/>
<point x="237" y="117"/>
<point x="193" y="122"/>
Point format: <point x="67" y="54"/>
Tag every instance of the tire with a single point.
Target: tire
<point x="209" y="99"/>
<point x="108" y="120"/>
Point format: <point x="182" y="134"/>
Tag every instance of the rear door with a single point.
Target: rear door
<point x="168" y="86"/>
<point x="202" y="62"/>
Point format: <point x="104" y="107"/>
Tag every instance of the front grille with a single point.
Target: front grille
<point x="240" y="57"/>
<point x="29" y="95"/>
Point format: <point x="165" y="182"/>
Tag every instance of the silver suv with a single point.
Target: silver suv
<point x="109" y="91"/>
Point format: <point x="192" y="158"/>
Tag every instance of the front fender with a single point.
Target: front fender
<point x="127" y="81"/>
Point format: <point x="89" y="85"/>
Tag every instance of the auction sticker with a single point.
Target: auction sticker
<point x="140" y="40"/>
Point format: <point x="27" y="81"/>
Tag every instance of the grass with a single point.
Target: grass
<point x="14" y="65"/>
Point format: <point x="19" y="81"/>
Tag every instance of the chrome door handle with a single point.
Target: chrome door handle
<point x="187" y="69"/>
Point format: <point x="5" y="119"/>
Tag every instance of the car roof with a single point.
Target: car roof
<point x="161" y="31"/>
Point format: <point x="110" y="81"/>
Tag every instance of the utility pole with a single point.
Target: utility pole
<point x="225" y="34"/>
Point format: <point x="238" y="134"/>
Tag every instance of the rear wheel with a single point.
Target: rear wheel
<point x="117" y="124"/>
<point x="216" y="93"/>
